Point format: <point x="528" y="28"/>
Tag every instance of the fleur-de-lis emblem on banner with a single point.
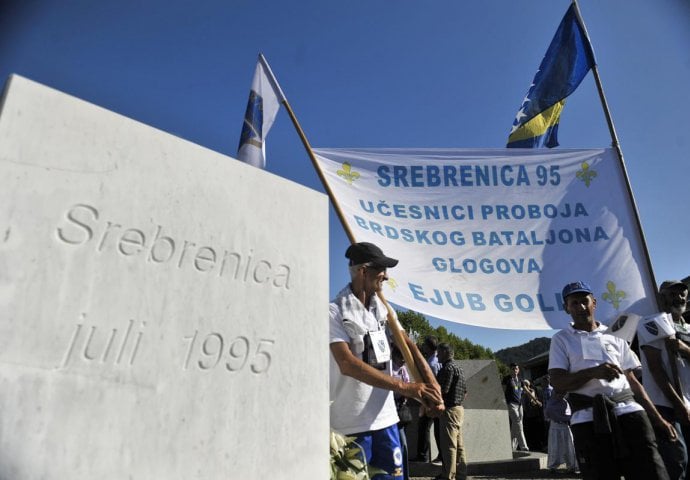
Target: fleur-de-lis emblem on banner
<point x="392" y="283"/>
<point x="612" y="295"/>
<point x="586" y="174"/>
<point x="347" y="173"/>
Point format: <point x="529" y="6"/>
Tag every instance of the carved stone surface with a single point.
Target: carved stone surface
<point x="486" y="428"/>
<point x="163" y="308"/>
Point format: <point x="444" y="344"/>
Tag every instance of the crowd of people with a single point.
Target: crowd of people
<point x="608" y="411"/>
<point x="600" y="410"/>
<point x="540" y="419"/>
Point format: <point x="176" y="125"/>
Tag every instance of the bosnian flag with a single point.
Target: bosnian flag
<point x="565" y="64"/>
<point x="265" y="98"/>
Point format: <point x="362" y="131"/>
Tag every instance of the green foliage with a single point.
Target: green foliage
<point x="464" y="349"/>
<point x="521" y="353"/>
<point x="418" y="327"/>
<point x="348" y="461"/>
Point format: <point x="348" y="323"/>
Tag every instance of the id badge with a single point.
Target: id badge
<point x="380" y="346"/>
<point x="592" y="349"/>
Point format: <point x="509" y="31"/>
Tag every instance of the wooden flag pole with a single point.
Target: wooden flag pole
<point x="317" y="167"/>
<point x="616" y="145"/>
<point x="307" y="146"/>
<point x="398" y="333"/>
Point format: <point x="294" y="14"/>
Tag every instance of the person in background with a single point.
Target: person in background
<point x="533" y="414"/>
<point x="400" y="372"/>
<point x="428" y="349"/>
<point x="451" y="378"/>
<point x="546" y="394"/>
<point x="561" y="449"/>
<point x="661" y="339"/>
<point x="513" y="396"/>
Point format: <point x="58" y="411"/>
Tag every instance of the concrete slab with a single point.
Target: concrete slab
<point x="486" y="427"/>
<point x="521" y="463"/>
<point x="163" y="308"/>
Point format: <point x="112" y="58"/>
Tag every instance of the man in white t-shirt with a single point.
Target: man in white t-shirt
<point x="660" y="337"/>
<point x="612" y="431"/>
<point x="361" y="385"/>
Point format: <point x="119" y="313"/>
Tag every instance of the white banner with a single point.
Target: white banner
<point x="490" y="237"/>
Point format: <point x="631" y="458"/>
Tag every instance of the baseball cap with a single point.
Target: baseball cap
<point x="365" y="252"/>
<point x="576" y="287"/>
<point x="668" y="284"/>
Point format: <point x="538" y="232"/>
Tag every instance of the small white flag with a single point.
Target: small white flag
<point x="654" y="327"/>
<point x="265" y="98"/>
<point x="625" y="326"/>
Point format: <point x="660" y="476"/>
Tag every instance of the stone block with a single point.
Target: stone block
<point x="486" y="426"/>
<point x="163" y="307"/>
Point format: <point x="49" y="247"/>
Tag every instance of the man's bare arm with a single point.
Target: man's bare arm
<point x="654" y="416"/>
<point x="352" y="366"/>
<point x="655" y="363"/>
<point x="676" y="345"/>
<point x="565" y="381"/>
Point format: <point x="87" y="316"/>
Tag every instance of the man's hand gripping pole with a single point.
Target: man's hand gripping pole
<point x="420" y="373"/>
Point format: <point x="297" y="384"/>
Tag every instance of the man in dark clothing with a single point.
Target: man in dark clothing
<point x="513" y="394"/>
<point x="451" y="378"/>
<point x="428" y="349"/>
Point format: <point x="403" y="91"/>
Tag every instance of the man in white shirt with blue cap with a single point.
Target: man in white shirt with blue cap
<point x="612" y="431"/>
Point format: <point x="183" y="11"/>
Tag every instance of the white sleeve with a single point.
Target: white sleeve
<point x="336" y="331"/>
<point x="654" y="330"/>
<point x="558" y="354"/>
<point x="629" y="360"/>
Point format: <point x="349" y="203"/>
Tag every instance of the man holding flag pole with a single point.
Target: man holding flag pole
<point x="567" y="61"/>
<point x="361" y="381"/>
<point x="364" y="295"/>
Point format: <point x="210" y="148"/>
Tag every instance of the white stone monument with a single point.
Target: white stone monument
<point x="163" y="308"/>
<point x="486" y="426"/>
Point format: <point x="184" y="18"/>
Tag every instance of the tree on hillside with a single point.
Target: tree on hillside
<point x="524" y="352"/>
<point x="418" y="326"/>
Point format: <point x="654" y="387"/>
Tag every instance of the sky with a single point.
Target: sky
<point x="379" y="73"/>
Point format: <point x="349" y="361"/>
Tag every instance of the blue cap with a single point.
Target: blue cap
<point x="576" y="287"/>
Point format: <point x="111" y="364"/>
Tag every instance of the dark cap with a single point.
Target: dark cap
<point x="668" y="284"/>
<point x="365" y="252"/>
<point x="576" y="287"/>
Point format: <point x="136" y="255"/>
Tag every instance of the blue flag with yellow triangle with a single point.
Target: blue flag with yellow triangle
<point x="565" y="64"/>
